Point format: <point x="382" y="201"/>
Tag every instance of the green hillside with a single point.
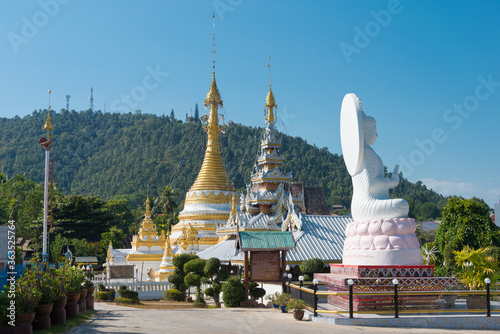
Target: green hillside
<point x="118" y="155"/>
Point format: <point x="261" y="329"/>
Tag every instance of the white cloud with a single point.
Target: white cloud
<point x="456" y="187"/>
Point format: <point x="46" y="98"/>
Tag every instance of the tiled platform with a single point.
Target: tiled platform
<point x="458" y="320"/>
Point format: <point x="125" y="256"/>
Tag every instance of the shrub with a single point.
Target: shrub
<point x="257" y="293"/>
<point x="128" y="294"/>
<point x="312" y="266"/>
<point x="209" y="292"/>
<point x="122" y="288"/>
<point x="233" y="292"/>
<point x="174" y="294"/>
<point x="307" y="278"/>
<point x="121" y="300"/>
<point x="105" y="295"/>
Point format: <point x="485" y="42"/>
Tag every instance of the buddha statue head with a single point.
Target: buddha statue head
<point x="369" y="129"/>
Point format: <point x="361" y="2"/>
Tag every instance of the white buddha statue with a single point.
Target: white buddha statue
<point x="371" y="188"/>
<point x="380" y="233"/>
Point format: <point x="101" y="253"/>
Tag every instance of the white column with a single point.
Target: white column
<point x="45" y="200"/>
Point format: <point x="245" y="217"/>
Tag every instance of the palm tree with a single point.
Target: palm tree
<point x="476" y="265"/>
<point x="167" y="200"/>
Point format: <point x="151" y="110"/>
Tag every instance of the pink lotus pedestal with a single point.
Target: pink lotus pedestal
<point x="379" y="278"/>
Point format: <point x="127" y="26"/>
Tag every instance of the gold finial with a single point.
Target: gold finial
<point x="233" y="206"/>
<point x="270" y="102"/>
<point x="213" y="41"/>
<point x="269" y="66"/>
<point x="48" y="123"/>
<point x="148" y="213"/>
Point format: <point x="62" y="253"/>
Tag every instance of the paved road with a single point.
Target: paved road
<point x="120" y="319"/>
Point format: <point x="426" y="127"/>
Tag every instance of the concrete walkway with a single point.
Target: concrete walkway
<point x="119" y="319"/>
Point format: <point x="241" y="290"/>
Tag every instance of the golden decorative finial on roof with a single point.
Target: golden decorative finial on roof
<point x="270" y="102"/>
<point x="233" y="206"/>
<point x="148" y="212"/>
<point x="168" y="247"/>
<point x="48" y="123"/>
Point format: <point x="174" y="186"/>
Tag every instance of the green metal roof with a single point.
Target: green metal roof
<point x="266" y="240"/>
<point x="86" y="259"/>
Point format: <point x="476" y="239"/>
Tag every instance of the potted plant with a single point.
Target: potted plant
<point x="283" y="300"/>
<point x="450" y="298"/>
<point x="27" y="297"/>
<point x="298" y="306"/>
<point x="272" y="298"/>
<point x="48" y="284"/>
<point x="475" y="265"/>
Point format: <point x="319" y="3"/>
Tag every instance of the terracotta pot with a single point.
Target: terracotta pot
<point x="73" y="298"/>
<point x="43" y="310"/>
<point x="298" y="314"/>
<point x="83" y="295"/>
<point x="25" y="319"/>
<point x="189" y="299"/>
<point x="60" y="303"/>
<point x="91" y="291"/>
<point x="476" y="302"/>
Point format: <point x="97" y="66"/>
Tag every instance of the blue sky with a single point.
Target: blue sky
<point x="428" y="71"/>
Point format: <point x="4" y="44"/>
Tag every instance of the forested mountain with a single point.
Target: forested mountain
<point x="118" y="155"/>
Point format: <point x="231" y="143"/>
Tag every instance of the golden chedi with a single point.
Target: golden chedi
<point x="208" y="202"/>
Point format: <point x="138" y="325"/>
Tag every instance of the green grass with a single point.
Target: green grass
<point x="70" y="323"/>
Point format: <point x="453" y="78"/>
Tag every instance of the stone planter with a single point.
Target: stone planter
<point x="449" y="300"/>
<point x="43" y="310"/>
<point x="42" y="319"/>
<point x="476" y="302"/>
<point x="25" y="319"/>
<point x="90" y="302"/>
<point x="72" y="306"/>
<point x="60" y="303"/>
<point x="90" y="291"/>
<point x="298" y="314"/>
<point x="83" y="295"/>
<point x="73" y="298"/>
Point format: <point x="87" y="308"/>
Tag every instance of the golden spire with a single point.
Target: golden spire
<point x="168" y="247"/>
<point x="148" y="212"/>
<point x="212" y="174"/>
<point x="270" y="102"/>
<point x="233" y="206"/>
<point x="48" y="123"/>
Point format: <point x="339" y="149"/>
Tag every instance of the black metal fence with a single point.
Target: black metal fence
<point x="311" y="293"/>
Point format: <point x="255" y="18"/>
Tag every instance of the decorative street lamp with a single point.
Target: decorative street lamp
<point x="488" y="306"/>
<point x="315" y="286"/>
<point x="301" y="282"/>
<point x="289" y="281"/>
<point x="350" y="282"/>
<point x="396" y="307"/>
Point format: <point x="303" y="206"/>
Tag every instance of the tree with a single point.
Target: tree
<point x="177" y="278"/>
<point x="194" y="270"/>
<point x="172" y="116"/>
<point x="466" y="222"/>
<point x="115" y="236"/>
<point x="196" y="113"/>
<point x="311" y="266"/>
<point x="216" y="275"/>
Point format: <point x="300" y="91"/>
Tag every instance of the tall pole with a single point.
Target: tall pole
<point x="45" y="201"/>
<point x="46" y="144"/>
